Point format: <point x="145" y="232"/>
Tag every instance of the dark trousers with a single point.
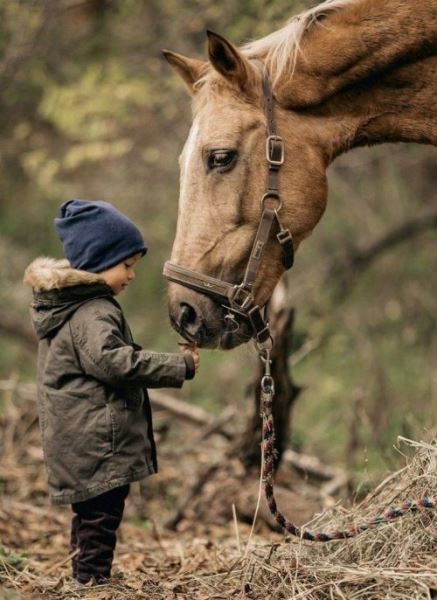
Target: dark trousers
<point x="93" y="532"/>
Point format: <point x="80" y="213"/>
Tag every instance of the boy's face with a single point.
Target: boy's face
<point x="120" y="276"/>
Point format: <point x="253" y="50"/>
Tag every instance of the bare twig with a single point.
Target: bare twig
<point x="348" y="270"/>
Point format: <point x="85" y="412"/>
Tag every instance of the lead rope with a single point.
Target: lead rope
<point x="268" y="447"/>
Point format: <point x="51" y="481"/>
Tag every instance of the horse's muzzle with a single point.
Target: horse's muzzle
<point x="200" y="319"/>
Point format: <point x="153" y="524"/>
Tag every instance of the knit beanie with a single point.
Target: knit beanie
<point x="96" y="236"/>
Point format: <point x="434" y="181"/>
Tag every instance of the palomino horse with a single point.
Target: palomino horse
<point x="347" y="73"/>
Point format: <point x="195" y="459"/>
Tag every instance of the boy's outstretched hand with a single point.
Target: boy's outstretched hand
<point x="191" y="349"/>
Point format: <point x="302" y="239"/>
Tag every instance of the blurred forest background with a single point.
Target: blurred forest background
<point x="89" y="109"/>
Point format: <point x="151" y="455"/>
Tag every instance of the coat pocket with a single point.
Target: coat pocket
<point x="77" y="436"/>
<point x="126" y="417"/>
<point x="127" y="398"/>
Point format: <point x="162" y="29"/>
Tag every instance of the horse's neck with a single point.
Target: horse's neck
<point x="349" y="45"/>
<point x="398" y="106"/>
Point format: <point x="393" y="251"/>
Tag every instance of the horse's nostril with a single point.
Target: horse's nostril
<point x="188" y="317"/>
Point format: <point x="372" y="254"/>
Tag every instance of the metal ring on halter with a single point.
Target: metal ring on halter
<point x="263" y="346"/>
<point x="231" y="320"/>
<point x="274" y="195"/>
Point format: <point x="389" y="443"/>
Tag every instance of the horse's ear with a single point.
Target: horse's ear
<point x="229" y="61"/>
<point x="190" y="69"/>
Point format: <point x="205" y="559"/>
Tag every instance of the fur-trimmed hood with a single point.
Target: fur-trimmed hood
<point x="46" y="273"/>
<point x="58" y="291"/>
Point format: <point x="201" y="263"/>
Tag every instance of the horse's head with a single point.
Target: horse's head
<point x="223" y="178"/>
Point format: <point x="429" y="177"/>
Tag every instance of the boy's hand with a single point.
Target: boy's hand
<point x="195" y="354"/>
<point x="191" y="349"/>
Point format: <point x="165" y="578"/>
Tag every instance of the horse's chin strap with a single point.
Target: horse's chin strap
<point x="239" y="298"/>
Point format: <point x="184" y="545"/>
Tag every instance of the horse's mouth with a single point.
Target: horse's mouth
<point x="205" y="322"/>
<point x="218" y="335"/>
<point x="227" y="341"/>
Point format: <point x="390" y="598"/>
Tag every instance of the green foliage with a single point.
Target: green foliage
<point x="9" y="558"/>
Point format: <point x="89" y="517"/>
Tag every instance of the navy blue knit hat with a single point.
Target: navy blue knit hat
<point x="96" y="236"/>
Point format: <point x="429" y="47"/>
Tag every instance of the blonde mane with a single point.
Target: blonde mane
<point x="279" y="50"/>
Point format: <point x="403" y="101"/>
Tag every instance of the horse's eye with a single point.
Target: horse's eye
<point x="221" y="160"/>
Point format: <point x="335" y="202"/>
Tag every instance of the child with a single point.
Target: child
<point x="93" y="406"/>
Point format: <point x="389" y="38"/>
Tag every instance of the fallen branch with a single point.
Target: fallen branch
<point x="60" y="563"/>
<point x="189" y="412"/>
<point x="15" y="507"/>
<point x="335" y="477"/>
<point x="217" y="426"/>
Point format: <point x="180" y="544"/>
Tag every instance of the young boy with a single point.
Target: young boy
<point x="93" y="406"/>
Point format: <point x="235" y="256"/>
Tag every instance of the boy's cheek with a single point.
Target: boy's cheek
<point x="116" y="289"/>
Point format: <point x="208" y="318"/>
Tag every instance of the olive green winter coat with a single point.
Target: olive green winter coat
<point x="93" y="405"/>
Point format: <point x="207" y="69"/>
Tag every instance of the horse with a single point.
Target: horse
<point x="344" y="74"/>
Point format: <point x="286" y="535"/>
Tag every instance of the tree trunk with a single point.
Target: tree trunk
<point x="281" y="319"/>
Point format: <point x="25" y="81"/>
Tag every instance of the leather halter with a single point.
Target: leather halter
<point x="239" y="298"/>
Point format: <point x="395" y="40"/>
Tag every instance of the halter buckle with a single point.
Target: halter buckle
<point x="284" y="236"/>
<point x="275" y="150"/>
<point x="240" y="298"/>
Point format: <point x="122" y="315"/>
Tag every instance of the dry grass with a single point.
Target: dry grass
<point x="201" y="561"/>
<point x="396" y="561"/>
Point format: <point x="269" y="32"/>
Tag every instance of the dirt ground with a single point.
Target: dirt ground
<point x="182" y="541"/>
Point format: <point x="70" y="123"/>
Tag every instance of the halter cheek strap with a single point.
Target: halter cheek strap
<point x="239" y="298"/>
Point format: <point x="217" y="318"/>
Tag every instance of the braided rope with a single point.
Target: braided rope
<point x="268" y="444"/>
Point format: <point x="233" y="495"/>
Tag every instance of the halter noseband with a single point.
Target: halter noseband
<point x="238" y="298"/>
